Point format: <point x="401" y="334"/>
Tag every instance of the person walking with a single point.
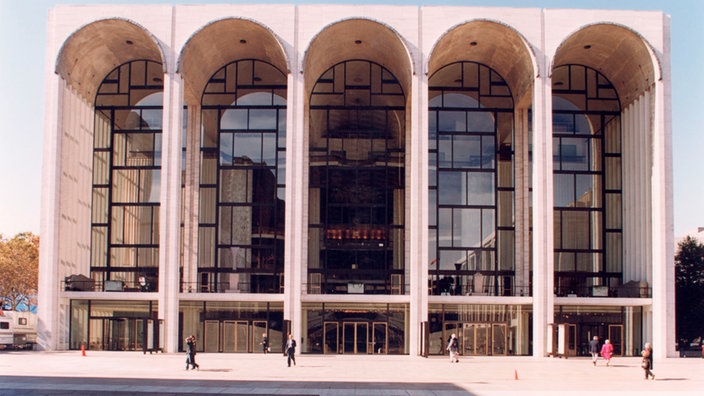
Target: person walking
<point x="594" y="349"/>
<point x="291" y="350"/>
<point x="454" y="348"/>
<point x="647" y="363"/>
<point x="191" y="353"/>
<point x="607" y="351"/>
<point x="265" y="343"/>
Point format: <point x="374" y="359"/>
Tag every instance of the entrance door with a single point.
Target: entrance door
<point x="211" y="340"/>
<point x="571" y="339"/>
<point x="235" y="336"/>
<point x="331" y="341"/>
<point x="259" y="328"/>
<point x="477" y="339"/>
<point x="115" y="330"/>
<point x="380" y="337"/>
<point x="499" y="339"/>
<point x="355" y="337"/>
<point x="616" y="338"/>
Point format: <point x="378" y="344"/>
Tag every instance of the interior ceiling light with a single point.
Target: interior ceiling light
<point x="243" y="41"/>
<point x="473" y="43"/>
<point x="358" y="41"/>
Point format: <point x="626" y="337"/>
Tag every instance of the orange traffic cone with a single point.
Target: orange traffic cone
<point x="515" y="374"/>
<point x="83" y="350"/>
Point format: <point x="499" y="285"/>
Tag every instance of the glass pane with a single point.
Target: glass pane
<point x="481" y="188"/>
<point x="262" y="119"/>
<point x="226" y="156"/>
<point x="234" y="119"/>
<point x="451" y="188"/>
<point x="575" y="154"/>
<point x="248" y="148"/>
<point x="564" y="261"/>
<point x="467" y="227"/>
<point x="481" y="121"/>
<point x="563" y="186"/>
<point x="575" y="230"/>
<point x="467" y="151"/>
<point x="452" y="121"/>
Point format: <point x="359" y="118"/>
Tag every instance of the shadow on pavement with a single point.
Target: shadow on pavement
<point x="37" y="385"/>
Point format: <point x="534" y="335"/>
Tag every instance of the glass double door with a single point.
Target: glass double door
<point x="233" y="335"/>
<point x="117" y="334"/>
<point x="479" y="339"/>
<point x="355" y="337"/>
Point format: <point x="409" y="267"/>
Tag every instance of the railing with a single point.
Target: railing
<point x="89" y="285"/>
<point x="227" y="287"/>
<point x="438" y="289"/>
<point x="356" y="288"/>
<point x="623" y="291"/>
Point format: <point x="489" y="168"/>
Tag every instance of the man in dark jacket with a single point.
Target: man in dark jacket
<point x="291" y="350"/>
<point x="191" y="352"/>
<point x="594" y="349"/>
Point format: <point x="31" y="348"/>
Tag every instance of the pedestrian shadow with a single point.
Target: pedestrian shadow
<point x="671" y="379"/>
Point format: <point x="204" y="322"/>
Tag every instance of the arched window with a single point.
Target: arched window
<point x="471" y="186"/>
<point x="242" y="180"/>
<point x="356" y="181"/>
<point x="127" y="177"/>
<point x="586" y="181"/>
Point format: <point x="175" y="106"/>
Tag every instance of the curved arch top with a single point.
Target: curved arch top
<point x="616" y="51"/>
<point x="491" y="43"/>
<point x="93" y="50"/>
<point x="222" y="42"/>
<point x="358" y="39"/>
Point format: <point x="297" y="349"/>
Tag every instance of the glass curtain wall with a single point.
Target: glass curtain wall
<point x="242" y="180"/>
<point x="232" y="327"/>
<point x="127" y="178"/>
<point x="356" y="181"/>
<point x="113" y="325"/>
<point x="587" y="183"/>
<point x="471" y="182"/>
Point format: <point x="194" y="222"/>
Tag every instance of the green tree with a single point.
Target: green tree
<point x="689" y="289"/>
<point x="19" y="270"/>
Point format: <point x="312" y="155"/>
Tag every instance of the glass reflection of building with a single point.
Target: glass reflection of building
<point x="370" y="185"/>
<point x="471" y="182"/>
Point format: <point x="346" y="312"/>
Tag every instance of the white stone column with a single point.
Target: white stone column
<point x="543" y="245"/>
<point x="48" y="286"/>
<point x="662" y="225"/>
<point x="170" y="209"/>
<point x="296" y="245"/>
<point x="417" y="209"/>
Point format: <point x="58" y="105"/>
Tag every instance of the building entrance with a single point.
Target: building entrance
<point x="479" y="339"/>
<point x="355" y="337"/>
<point x="117" y="334"/>
<point x="233" y="335"/>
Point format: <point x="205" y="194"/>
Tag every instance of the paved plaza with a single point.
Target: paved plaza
<point x="130" y="373"/>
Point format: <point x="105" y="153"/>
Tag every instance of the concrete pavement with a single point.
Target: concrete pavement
<point x="122" y="373"/>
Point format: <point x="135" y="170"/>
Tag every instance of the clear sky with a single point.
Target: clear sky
<point x="22" y="56"/>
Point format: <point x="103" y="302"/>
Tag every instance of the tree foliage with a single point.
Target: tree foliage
<point x="19" y="270"/>
<point x="689" y="289"/>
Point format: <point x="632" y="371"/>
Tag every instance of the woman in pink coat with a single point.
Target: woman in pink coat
<point x="607" y="351"/>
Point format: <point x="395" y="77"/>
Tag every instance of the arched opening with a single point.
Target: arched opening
<point x="356" y="180"/>
<point x="127" y="178"/>
<point x="471" y="233"/>
<point x="242" y="184"/>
